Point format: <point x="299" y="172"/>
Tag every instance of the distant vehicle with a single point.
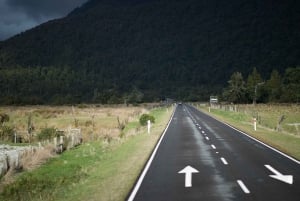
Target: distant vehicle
<point x="179" y="103"/>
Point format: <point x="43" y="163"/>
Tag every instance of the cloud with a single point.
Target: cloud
<point x="20" y="15"/>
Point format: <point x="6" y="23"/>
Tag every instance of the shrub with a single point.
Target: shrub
<point x="145" y="117"/>
<point x="47" y="134"/>
<point x="4" y="118"/>
<point x="6" y="133"/>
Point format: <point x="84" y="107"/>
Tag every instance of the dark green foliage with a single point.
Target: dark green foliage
<point x="144" y="119"/>
<point x="291" y="88"/>
<point x="113" y="51"/>
<point x="236" y="90"/>
<point x="47" y="134"/>
<point x="6" y="133"/>
<point x="275" y="89"/>
<point x="3" y="118"/>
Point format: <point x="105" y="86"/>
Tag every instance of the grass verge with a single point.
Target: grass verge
<point x="93" y="171"/>
<point x="287" y="143"/>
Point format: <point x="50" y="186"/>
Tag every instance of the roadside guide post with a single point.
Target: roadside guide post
<point x="254" y="123"/>
<point x="149" y="126"/>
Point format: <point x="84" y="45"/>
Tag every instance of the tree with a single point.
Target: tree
<point x="291" y="85"/>
<point x="273" y="86"/>
<point x="235" y="92"/>
<point x="254" y="80"/>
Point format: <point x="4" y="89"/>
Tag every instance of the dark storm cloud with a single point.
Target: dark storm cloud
<point x="19" y="15"/>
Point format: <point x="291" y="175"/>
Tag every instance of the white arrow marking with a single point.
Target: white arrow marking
<point x="188" y="171"/>
<point x="284" y="178"/>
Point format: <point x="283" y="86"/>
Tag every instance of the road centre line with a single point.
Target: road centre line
<point x="213" y="146"/>
<point x="253" y="138"/>
<point x="243" y="186"/>
<point x="202" y="132"/>
<point x="207" y="138"/>
<point x="224" y="161"/>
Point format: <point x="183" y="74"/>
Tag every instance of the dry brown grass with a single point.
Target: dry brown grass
<point x="32" y="159"/>
<point x="95" y="122"/>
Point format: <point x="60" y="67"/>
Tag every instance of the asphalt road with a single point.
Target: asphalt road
<point x="225" y="164"/>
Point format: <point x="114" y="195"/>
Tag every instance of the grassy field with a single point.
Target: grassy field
<point x="94" y="122"/>
<point x="286" y="139"/>
<point x="97" y="170"/>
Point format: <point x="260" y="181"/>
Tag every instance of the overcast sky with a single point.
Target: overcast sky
<point x="19" y="15"/>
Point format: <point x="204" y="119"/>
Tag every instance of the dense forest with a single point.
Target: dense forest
<point x="115" y="51"/>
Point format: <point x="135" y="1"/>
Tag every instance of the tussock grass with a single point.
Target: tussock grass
<point x="32" y="159"/>
<point x="91" y="119"/>
<point x="97" y="170"/>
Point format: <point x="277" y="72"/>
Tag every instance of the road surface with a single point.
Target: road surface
<point x="200" y="158"/>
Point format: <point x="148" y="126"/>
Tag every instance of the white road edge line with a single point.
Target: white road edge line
<point x="207" y="138"/>
<point x="243" y="186"/>
<point x="224" y="161"/>
<point x="213" y="146"/>
<point x="142" y="176"/>
<point x="272" y="148"/>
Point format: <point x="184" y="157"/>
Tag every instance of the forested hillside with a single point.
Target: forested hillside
<point x="143" y="50"/>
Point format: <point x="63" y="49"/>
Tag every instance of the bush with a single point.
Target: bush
<point x="145" y="117"/>
<point x="47" y="134"/>
<point x="6" y="133"/>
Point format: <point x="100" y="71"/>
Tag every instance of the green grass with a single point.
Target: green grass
<point x="288" y="143"/>
<point x="92" y="171"/>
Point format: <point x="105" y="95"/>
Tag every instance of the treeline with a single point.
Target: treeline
<point x="64" y="85"/>
<point x="44" y="85"/>
<point x="53" y="85"/>
<point x="277" y="88"/>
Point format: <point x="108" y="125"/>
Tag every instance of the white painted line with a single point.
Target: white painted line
<point x="272" y="148"/>
<point x="243" y="186"/>
<point x="199" y="127"/>
<point x="217" y="152"/>
<point x="142" y="176"/>
<point x="224" y="161"/>
<point x="202" y="132"/>
<point x="213" y="146"/>
<point x="207" y="138"/>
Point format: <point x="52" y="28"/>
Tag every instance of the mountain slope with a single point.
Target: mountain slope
<point x="164" y="48"/>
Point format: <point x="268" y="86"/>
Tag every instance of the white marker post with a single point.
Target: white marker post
<point x="254" y="123"/>
<point x="149" y="126"/>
